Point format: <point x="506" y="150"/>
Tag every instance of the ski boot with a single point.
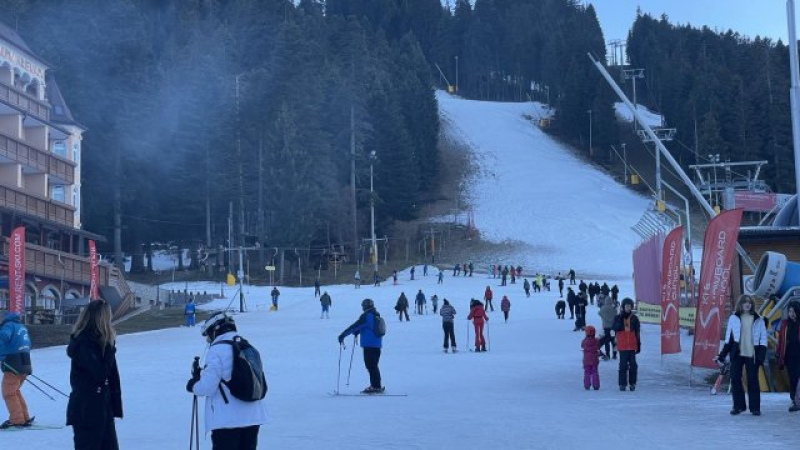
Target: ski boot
<point x="794" y="408"/>
<point x="483" y="348"/>
<point x="633" y="387"/>
<point x="622" y="388"/>
<point x="454" y="350"/>
<point x="445" y="349"/>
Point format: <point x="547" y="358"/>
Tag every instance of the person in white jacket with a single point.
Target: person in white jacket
<point x="746" y="343"/>
<point x="233" y="423"/>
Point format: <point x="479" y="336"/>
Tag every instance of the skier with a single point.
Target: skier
<point x="96" y="397"/>
<point x="504" y="276"/>
<point x="560" y="287"/>
<point x="513" y="276"/>
<point x="425" y="270"/>
<point x="505" y="306"/>
<point x="571" y="298"/>
<point x="325" y="301"/>
<point x="561" y="306"/>
<point x="788" y="351"/>
<point x="519" y="271"/>
<point x="629" y="344"/>
<point x="614" y="292"/>
<point x="580" y="312"/>
<point x="746" y="342"/>
<point x="583" y="287"/>
<point x="590" y="346"/>
<point x="465" y="269"/>
<point x="571" y="277"/>
<point x="377" y="278"/>
<point x="275" y="294"/>
<point x="608" y="312"/>
<point x="494" y="271"/>
<point x="357" y="279"/>
<point x="435" y="303"/>
<point x="478" y="316"/>
<point x="364" y="327"/>
<point x="527" y="287"/>
<point x="413" y="269"/>
<point x="394" y="278"/>
<point x="471" y="268"/>
<point x="189" y="313"/>
<point x="402" y="306"/>
<point x="448" y="314"/>
<point x="15" y="360"/>
<point x="592" y="292"/>
<point x="441" y="277"/>
<point x="456" y="269"/>
<point x="604" y="289"/>
<point x="487" y="297"/>
<point x="316" y="288"/>
<point x="420" y="301"/>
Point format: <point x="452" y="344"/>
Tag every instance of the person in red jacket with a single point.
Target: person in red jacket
<point x="505" y="306"/>
<point x="788" y="351"/>
<point x="629" y="344"/>
<point x="478" y="316"/>
<point x="487" y="297"/>
<point x="590" y="346"/>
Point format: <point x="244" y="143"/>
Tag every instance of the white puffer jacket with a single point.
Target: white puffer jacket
<point x="235" y="413"/>
<point x="759" y="330"/>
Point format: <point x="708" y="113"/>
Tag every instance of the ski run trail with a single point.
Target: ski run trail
<point x="525" y="393"/>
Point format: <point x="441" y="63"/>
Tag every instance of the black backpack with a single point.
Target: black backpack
<point x="247" y="382"/>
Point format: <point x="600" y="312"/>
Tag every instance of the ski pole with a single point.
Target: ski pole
<point x="352" y="352"/>
<point x="466" y="342"/>
<point x="339" y="372"/>
<point x="191" y="423"/>
<point x="30" y="382"/>
<point x="48" y="385"/>
<point x="488" y="337"/>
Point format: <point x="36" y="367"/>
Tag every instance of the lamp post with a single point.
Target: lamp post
<point x="374" y="252"/>
<point x="625" y="162"/>
<point x="714" y="159"/>
<point x="456" y="73"/>
<point x="591" y="150"/>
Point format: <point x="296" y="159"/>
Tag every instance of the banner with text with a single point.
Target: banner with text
<point x="93" y="271"/>
<point x="714" y="289"/>
<point x="670" y="292"/>
<point x="16" y="271"/>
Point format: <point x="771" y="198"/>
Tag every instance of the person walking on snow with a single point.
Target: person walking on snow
<point x="571" y="277"/>
<point x="571" y="298"/>
<point x="402" y="306"/>
<point x="275" y="294"/>
<point x="189" y="313"/>
<point x="394" y="278"/>
<point x="487" y="297"/>
<point x="420" y="301"/>
<point x="629" y="344"/>
<point x="608" y="313"/>
<point x="377" y="278"/>
<point x="448" y="314"/>
<point x="325" y="302"/>
<point x="15" y="360"/>
<point x="456" y="270"/>
<point x="590" y="347"/>
<point x="580" y="312"/>
<point x="527" y="287"/>
<point x="234" y="424"/>
<point x="357" y="279"/>
<point x="505" y="306"/>
<point x="788" y="351"/>
<point x="746" y="342"/>
<point x="316" y="288"/>
<point x="471" y="268"/>
<point x="441" y="277"/>
<point x="614" y="292"/>
<point x="560" y="287"/>
<point x="478" y="316"/>
<point x="413" y="269"/>
<point x="425" y="270"/>
<point x="435" y="303"/>
<point x="364" y="327"/>
<point x="494" y="271"/>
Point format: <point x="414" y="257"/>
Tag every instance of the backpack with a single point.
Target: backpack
<point x="247" y="382"/>
<point x="380" y="326"/>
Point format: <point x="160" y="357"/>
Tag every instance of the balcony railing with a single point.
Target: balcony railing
<point x="25" y="102"/>
<point x="43" y="262"/>
<point x="37" y="206"/>
<point x="40" y="160"/>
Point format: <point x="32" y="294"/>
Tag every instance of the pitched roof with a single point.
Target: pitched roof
<point x="60" y="112"/>
<point x="9" y="35"/>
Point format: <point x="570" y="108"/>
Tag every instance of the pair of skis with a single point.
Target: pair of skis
<point x="361" y="394"/>
<point x="723" y="370"/>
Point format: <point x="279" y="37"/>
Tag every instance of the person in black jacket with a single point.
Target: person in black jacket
<point x="571" y="297"/>
<point x="580" y="312"/>
<point x="402" y="306"/>
<point x="96" y="397"/>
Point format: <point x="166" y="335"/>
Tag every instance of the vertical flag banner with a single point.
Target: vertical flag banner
<point x="16" y="271"/>
<point x="670" y="292"/>
<point x="715" y="276"/>
<point x="93" y="268"/>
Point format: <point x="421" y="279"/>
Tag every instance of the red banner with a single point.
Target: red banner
<point x="715" y="276"/>
<point x="93" y="270"/>
<point x="16" y="271"/>
<point x="670" y="292"/>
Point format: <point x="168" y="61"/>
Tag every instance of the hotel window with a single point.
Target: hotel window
<point x="60" y="148"/>
<point x="57" y="193"/>
<point x="75" y="152"/>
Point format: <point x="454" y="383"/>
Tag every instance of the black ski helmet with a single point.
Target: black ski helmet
<point x="367" y="304"/>
<point x="626" y="301"/>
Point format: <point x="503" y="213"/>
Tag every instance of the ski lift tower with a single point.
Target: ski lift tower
<point x="663" y="135"/>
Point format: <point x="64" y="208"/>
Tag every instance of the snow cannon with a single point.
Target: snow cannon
<point x="775" y="275"/>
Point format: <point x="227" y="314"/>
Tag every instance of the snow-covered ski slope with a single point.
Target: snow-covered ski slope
<point x="526" y="393"/>
<point x="533" y="190"/>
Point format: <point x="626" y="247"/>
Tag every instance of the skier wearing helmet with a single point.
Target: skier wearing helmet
<point x="370" y="341"/>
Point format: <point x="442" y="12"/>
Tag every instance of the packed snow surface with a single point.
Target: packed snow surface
<point x="623" y="112"/>
<point x="533" y="190"/>
<point x="525" y="393"/>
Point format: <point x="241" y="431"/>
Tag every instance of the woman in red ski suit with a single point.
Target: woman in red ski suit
<point x="478" y="316"/>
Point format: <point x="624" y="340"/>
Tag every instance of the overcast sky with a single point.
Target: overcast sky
<point x="747" y="17"/>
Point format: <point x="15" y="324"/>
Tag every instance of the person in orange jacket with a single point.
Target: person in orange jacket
<point x="487" y="297"/>
<point x="478" y="316"/>
<point x="629" y="344"/>
<point x="505" y="306"/>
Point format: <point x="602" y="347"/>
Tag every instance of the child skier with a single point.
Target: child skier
<point x="487" y="297"/>
<point x="505" y="306"/>
<point x="527" y="287"/>
<point x="189" y="312"/>
<point x="590" y="346"/>
<point x="478" y="316"/>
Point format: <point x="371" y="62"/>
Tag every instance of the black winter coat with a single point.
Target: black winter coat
<point x="96" y="396"/>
